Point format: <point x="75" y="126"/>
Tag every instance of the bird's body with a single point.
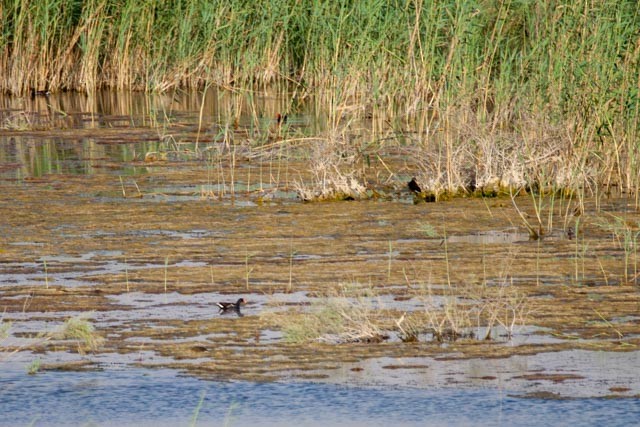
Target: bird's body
<point x="276" y="128"/>
<point x="35" y="93"/>
<point x="413" y="186"/>
<point x="280" y="119"/>
<point x="225" y="306"/>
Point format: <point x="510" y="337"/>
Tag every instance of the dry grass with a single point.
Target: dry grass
<point x="347" y="315"/>
<point x="626" y="234"/>
<point x="467" y="155"/>
<point x="351" y="315"/>
<point x="76" y="329"/>
<point x="505" y="306"/>
<point x="5" y="327"/>
<point x="336" y="171"/>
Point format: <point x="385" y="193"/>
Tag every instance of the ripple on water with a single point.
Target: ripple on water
<point x="161" y="397"/>
<point x="570" y="374"/>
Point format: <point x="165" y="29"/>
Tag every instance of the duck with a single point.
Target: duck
<point x="413" y="186"/>
<point x="225" y="306"/>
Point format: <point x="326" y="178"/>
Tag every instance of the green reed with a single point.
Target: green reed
<point x="442" y="49"/>
<point x="462" y="76"/>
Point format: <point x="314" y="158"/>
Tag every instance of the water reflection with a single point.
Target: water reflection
<point x="71" y="133"/>
<point x="106" y="108"/>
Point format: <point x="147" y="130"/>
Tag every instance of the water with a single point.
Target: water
<point x="164" y="398"/>
<point x="149" y="245"/>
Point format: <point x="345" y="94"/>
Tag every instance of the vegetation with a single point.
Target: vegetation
<point x="34" y="367"/>
<point x="81" y="330"/>
<point x="354" y="314"/>
<point x="345" y="316"/>
<point x="486" y="95"/>
<point x="626" y="234"/>
<point x="77" y="329"/>
<point x="4" y="328"/>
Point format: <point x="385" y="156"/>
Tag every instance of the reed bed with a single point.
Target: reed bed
<point x="483" y="95"/>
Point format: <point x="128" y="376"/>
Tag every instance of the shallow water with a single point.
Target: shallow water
<point x="163" y="398"/>
<point x="142" y="224"/>
<point x="566" y="374"/>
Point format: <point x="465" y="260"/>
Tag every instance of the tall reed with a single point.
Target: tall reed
<point x="491" y="93"/>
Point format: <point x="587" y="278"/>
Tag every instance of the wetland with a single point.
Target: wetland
<point x="127" y="217"/>
<point x="429" y="209"/>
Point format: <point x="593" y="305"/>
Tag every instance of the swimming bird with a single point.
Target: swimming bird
<point x="224" y="306"/>
<point x="35" y="93"/>
<point x="413" y="186"/>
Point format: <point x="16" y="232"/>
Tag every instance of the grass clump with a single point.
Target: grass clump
<point x="446" y="314"/>
<point x="409" y="328"/>
<point x="5" y="327"/>
<point x="81" y="330"/>
<point x="446" y="317"/>
<point x="427" y="230"/>
<point x="34" y="367"/>
<point x="452" y="312"/>
<point x="310" y="327"/>
<point x="339" y="318"/>
<point x="77" y="329"/>
<point x="503" y="305"/>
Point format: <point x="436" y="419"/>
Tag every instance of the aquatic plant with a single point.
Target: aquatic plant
<point x="76" y="328"/>
<point x="506" y="306"/>
<point x="535" y="232"/>
<point x="5" y="327"/>
<point x="196" y="411"/>
<point x="428" y="230"/>
<point x="34" y="366"/>
<point x="626" y="234"/>
<point x="46" y="274"/>
<point x="17" y="121"/>
<point x="449" y="311"/>
<point x="445" y="317"/>
<point x="80" y="329"/>
<point x="408" y="329"/>
<point x="247" y="270"/>
<point x="336" y="172"/>
<point x="345" y="315"/>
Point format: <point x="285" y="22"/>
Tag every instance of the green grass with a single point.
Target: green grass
<point x="81" y="330"/>
<point x="5" y="327"/>
<point x="34" y="367"/>
<point x="566" y="54"/>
